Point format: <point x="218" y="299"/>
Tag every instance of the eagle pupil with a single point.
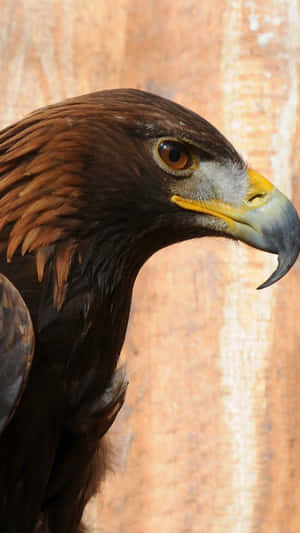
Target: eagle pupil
<point x="174" y="154"/>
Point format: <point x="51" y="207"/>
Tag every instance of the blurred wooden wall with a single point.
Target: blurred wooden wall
<point x="209" y="439"/>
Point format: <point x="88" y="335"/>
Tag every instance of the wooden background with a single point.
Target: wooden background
<point x="209" y="439"/>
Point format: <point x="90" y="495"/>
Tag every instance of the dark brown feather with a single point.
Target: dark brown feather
<point x="82" y="206"/>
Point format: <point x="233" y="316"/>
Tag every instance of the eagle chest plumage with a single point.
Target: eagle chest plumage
<point x="89" y="189"/>
<point x="72" y="396"/>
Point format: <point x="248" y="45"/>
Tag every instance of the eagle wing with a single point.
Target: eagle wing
<point x="17" y="342"/>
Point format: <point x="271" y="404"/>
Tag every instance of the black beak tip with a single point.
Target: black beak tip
<point x="286" y="259"/>
<point x="275" y="276"/>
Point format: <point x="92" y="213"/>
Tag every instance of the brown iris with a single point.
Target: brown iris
<point x="175" y="154"/>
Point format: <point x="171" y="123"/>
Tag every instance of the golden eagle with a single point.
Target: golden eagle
<point x="90" y="188"/>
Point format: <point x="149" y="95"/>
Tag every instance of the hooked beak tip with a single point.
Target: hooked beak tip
<point x="288" y="245"/>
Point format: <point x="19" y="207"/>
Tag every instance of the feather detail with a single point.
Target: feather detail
<point x="40" y="236"/>
<point x="43" y="204"/>
<point x="20" y="150"/>
<point x="40" y="181"/>
<point x="8" y="138"/>
<point x="48" y="217"/>
<point x="43" y="255"/>
<point x="11" y="198"/>
<point x="64" y="256"/>
<point x="29" y="239"/>
<point x="8" y="180"/>
<point x="45" y="236"/>
<point x="13" y="244"/>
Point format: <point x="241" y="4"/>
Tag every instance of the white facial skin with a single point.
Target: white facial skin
<point x="226" y="182"/>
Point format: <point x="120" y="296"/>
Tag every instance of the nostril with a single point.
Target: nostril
<point x="256" y="198"/>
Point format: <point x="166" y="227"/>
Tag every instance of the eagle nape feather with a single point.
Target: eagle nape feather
<point x="90" y="188"/>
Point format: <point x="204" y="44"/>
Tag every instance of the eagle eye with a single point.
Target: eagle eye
<point x="174" y="156"/>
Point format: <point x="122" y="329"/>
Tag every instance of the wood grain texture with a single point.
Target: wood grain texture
<point x="209" y="439"/>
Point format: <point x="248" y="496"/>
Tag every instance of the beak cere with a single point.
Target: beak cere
<point x="266" y="219"/>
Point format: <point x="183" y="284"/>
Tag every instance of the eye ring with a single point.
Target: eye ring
<point x="175" y="156"/>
